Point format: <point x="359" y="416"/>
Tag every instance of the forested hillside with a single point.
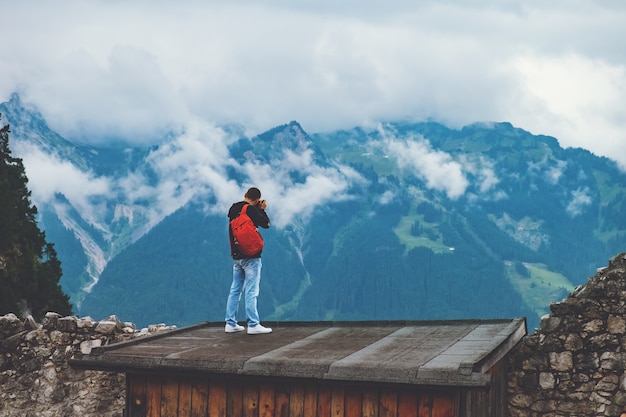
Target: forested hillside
<point x="398" y="249"/>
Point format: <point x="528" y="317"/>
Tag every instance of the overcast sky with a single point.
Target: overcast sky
<point x="100" y="69"/>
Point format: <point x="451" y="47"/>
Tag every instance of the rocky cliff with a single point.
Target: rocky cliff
<point x="575" y="363"/>
<point x="35" y="379"/>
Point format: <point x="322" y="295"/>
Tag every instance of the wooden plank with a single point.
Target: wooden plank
<point x="444" y="405"/>
<point x="266" y="400"/>
<point x="353" y="402"/>
<point x="337" y="401"/>
<point x="438" y="404"/>
<point x="199" y="397"/>
<point x="251" y="401"/>
<point x="310" y="400"/>
<point x="184" y="398"/>
<point x="153" y="396"/>
<point x="169" y="397"/>
<point x="425" y="405"/>
<point x="323" y="401"/>
<point x="234" y="402"/>
<point x="388" y="403"/>
<point x="498" y="403"/>
<point x="477" y="403"/>
<point x="370" y="403"/>
<point x="407" y="403"/>
<point x="136" y="397"/>
<point x="282" y="400"/>
<point x="296" y="401"/>
<point x="217" y="398"/>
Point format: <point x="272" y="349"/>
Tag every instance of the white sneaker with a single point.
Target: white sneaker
<point x="258" y="329"/>
<point x="233" y="329"/>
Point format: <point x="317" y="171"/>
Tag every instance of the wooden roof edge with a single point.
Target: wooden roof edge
<point x="99" y="363"/>
<point x="432" y="378"/>
<point x="97" y="351"/>
<point x="516" y="332"/>
<point x="437" y="377"/>
<point x="372" y="323"/>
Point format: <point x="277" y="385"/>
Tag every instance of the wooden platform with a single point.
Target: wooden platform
<point x="433" y="353"/>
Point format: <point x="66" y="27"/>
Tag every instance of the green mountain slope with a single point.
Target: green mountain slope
<point x="418" y="221"/>
<point x="532" y="223"/>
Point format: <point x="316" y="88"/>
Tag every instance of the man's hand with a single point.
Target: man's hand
<point x="262" y="204"/>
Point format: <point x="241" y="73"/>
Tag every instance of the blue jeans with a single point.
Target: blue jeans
<point x="246" y="279"/>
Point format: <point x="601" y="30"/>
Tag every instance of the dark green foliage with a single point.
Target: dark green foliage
<point x="430" y="212"/>
<point x="29" y="268"/>
<point x="521" y="269"/>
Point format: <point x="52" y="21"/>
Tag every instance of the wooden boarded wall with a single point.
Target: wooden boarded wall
<point x="174" y="396"/>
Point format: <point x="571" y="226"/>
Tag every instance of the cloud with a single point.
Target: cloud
<point x="580" y="97"/>
<point x="193" y="166"/>
<point x="580" y="200"/>
<point x="387" y="197"/>
<point x="554" y="173"/>
<point x="480" y="170"/>
<point x="103" y="70"/>
<point x="292" y="200"/>
<point x="437" y="168"/>
<point x="49" y="176"/>
<point x="456" y="176"/>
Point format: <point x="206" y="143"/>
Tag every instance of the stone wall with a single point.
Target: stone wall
<point x="35" y="379"/>
<point x="575" y="363"/>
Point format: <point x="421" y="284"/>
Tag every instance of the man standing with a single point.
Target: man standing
<point x="246" y="269"/>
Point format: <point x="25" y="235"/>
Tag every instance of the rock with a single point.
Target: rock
<point x="547" y="380"/>
<point x="593" y="326"/>
<point x="561" y="361"/>
<point x="9" y="325"/>
<point x="106" y="327"/>
<point x="522" y="401"/>
<point x="115" y="320"/>
<point x="50" y="320"/>
<point x="85" y="323"/>
<point x="67" y="324"/>
<point x="87" y="345"/>
<point x="616" y="325"/>
<point x="549" y="324"/>
<point x="573" y="342"/>
<point x="31" y="324"/>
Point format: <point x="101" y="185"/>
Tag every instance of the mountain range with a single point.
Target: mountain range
<point x="394" y="220"/>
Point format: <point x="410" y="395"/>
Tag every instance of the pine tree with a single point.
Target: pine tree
<point x="29" y="268"/>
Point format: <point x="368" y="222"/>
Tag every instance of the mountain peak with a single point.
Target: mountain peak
<point x="20" y="116"/>
<point x="287" y="137"/>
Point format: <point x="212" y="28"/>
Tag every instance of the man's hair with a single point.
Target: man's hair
<point x="253" y="193"/>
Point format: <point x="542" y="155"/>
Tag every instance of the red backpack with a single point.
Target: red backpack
<point x="246" y="236"/>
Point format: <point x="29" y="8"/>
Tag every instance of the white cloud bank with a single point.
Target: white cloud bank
<point x="438" y="170"/>
<point x="191" y="167"/>
<point x="101" y="69"/>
